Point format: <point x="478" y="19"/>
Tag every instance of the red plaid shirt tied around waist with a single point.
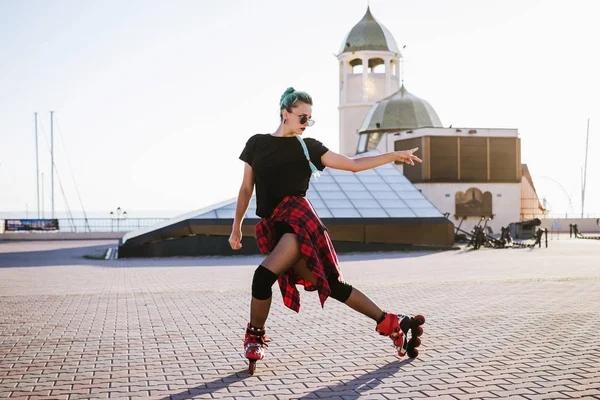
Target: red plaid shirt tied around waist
<point x="315" y="246"/>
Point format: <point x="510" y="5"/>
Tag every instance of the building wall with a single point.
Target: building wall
<point x="506" y="201"/>
<point x="351" y="119"/>
<point x="355" y="89"/>
<point x="530" y="203"/>
<point x="473" y="162"/>
<point x="465" y="159"/>
<point x="375" y="87"/>
<point x="504" y="159"/>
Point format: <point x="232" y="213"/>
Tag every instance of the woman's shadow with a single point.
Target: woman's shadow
<point x="209" y="387"/>
<point x="356" y="387"/>
<point x="348" y="390"/>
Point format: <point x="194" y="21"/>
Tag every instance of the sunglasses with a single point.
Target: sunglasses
<point x="304" y="118"/>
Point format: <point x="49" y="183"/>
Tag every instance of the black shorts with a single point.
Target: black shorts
<point x="281" y="228"/>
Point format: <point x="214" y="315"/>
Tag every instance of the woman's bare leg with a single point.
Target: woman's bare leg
<point x="363" y="304"/>
<point x="285" y="255"/>
<point x="358" y="301"/>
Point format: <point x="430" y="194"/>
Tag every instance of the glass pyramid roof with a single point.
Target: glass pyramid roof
<point x="382" y="192"/>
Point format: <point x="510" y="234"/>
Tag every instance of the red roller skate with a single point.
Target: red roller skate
<point x="254" y="346"/>
<point x="397" y="328"/>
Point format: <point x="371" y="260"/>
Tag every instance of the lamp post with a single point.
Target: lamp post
<point x="118" y="214"/>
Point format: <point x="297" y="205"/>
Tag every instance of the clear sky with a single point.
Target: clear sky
<point x="154" y="100"/>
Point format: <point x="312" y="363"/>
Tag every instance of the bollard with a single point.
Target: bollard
<point x="570" y="230"/>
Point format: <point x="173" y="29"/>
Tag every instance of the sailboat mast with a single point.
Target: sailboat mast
<point x="43" y="195"/>
<point x="587" y="139"/>
<point x="52" y="158"/>
<point x="37" y="167"/>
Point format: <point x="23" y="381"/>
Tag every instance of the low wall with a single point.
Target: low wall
<point x="21" y="236"/>
<point x="585" y="225"/>
<point x="209" y="237"/>
<point x="214" y="245"/>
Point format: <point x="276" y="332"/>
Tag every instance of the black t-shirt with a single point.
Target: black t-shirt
<point x="280" y="168"/>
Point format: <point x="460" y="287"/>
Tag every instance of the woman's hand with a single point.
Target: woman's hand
<point x="406" y="156"/>
<point x="235" y="239"/>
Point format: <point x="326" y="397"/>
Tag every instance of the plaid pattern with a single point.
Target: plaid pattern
<point x="315" y="246"/>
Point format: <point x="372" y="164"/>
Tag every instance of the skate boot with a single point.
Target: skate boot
<point x="254" y="346"/>
<point x="397" y="328"/>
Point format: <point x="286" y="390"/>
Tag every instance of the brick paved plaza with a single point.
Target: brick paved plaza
<point x="515" y="323"/>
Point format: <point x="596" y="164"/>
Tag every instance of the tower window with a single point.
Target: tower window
<point x="373" y="142"/>
<point x="377" y="66"/>
<point x="357" y="67"/>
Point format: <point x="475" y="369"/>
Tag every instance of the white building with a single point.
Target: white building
<point x="467" y="173"/>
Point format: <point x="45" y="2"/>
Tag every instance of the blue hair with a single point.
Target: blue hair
<point x="291" y="97"/>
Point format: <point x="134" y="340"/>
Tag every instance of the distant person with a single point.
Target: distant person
<point x="570" y="229"/>
<point x="279" y="166"/>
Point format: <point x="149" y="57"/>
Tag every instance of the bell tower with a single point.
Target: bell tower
<point x="369" y="63"/>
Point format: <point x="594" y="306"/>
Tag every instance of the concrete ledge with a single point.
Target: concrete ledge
<point x="213" y="245"/>
<point x="23" y="236"/>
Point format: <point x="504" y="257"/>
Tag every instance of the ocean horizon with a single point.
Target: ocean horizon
<point x="32" y="214"/>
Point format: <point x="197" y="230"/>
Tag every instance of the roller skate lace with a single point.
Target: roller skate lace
<point x="254" y="342"/>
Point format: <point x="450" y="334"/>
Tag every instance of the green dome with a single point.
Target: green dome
<point x="369" y="34"/>
<point x="398" y="112"/>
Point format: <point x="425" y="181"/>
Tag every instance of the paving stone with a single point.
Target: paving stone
<point x="173" y="328"/>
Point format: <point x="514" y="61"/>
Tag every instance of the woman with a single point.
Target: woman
<point x="299" y="249"/>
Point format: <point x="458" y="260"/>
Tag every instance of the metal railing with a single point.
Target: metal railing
<point x="106" y="224"/>
<point x="571" y="216"/>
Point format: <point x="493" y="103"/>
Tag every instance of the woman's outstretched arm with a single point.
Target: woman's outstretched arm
<point x="339" y="161"/>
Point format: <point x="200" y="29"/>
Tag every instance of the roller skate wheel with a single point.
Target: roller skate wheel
<point x="418" y="331"/>
<point x="251" y="367"/>
<point x="419" y="319"/>
<point x="413" y="353"/>
<point x="416" y="342"/>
